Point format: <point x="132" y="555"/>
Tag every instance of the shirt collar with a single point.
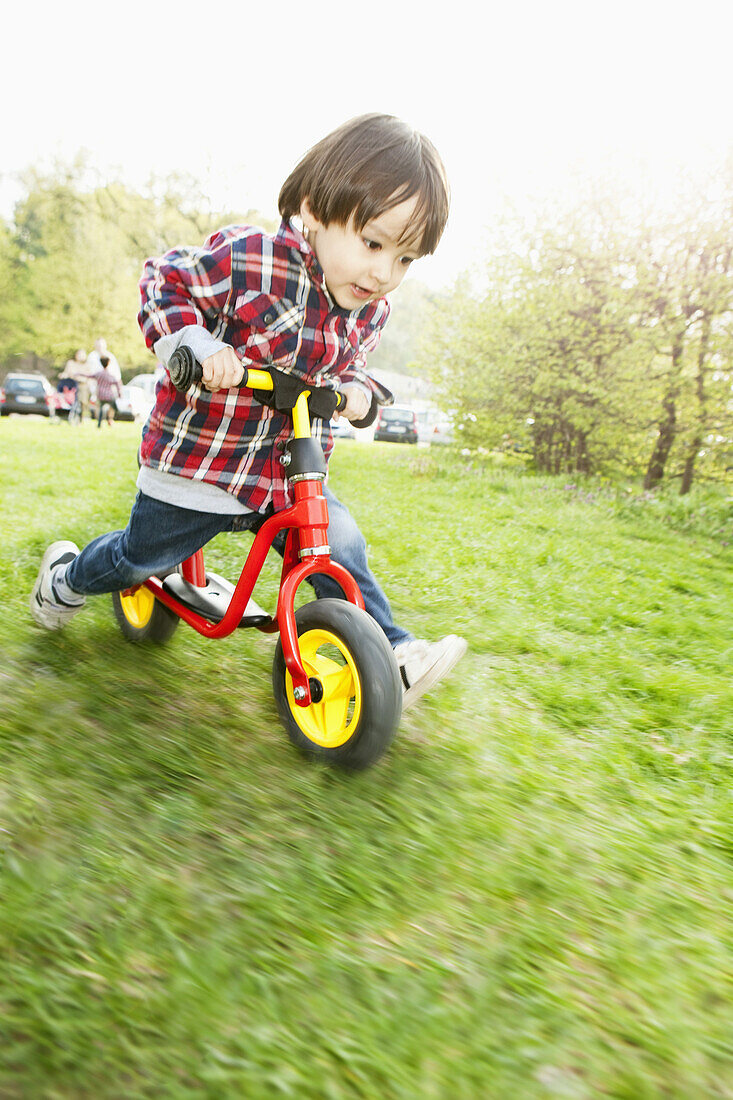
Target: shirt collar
<point x="290" y="235"/>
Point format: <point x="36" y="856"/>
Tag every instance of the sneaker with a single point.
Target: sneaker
<point x="422" y="664"/>
<point x="47" y="607"/>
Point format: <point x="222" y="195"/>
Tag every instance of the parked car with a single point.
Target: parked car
<point x="27" y="393"/>
<point x="442" y="432"/>
<point x="125" y="407"/>
<point x="434" y="426"/>
<point x="343" y="429"/>
<point x="396" y="424"/>
<point x="142" y="394"/>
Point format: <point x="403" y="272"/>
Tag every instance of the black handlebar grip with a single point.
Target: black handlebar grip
<point x="340" y="400"/>
<point x="368" y="420"/>
<point x="184" y="369"/>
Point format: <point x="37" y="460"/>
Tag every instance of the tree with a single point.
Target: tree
<point x="543" y="357"/>
<point x="14" y="327"/>
<point x="76" y="253"/>
<point x="600" y="338"/>
<point x="686" y="279"/>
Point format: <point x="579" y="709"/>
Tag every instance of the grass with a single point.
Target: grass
<point x="530" y="897"/>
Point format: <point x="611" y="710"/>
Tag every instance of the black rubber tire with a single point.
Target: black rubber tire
<point x="156" y="624"/>
<point x="376" y="702"/>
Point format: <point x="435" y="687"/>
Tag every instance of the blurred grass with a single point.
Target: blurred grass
<point x="530" y="897"/>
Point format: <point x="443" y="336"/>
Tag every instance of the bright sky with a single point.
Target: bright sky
<point x="517" y="96"/>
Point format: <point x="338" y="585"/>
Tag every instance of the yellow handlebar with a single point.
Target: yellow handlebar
<point x="262" y="380"/>
<point x="258" y="379"/>
<point x="301" y="417"/>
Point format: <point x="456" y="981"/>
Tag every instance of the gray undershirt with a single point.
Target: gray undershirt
<point x="186" y="492"/>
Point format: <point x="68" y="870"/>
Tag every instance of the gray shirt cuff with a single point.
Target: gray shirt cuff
<point x="198" y="339"/>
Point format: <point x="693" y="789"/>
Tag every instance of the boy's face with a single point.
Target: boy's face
<point x="361" y="266"/>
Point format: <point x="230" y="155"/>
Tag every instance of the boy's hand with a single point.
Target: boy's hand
<point x="222" y="370"/>
<point x="357" y="403"/>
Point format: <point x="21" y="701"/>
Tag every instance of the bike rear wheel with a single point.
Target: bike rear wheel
<point x="142" y="618"/>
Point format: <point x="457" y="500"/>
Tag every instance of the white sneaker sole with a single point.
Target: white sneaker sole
<point x="436" y="672"/>
<point x="52" y="618"/>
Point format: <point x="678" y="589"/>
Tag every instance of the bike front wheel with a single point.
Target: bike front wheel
<point x="355" y="686"/>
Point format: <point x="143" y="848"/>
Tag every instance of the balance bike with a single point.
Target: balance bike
<point x="335" y="679"/>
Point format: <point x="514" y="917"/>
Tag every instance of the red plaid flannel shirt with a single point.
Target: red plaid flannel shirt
<point x="266" y="296"/>
<point x="108" y="387"/>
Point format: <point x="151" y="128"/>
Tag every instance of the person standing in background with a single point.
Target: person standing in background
<point x="94" y="360"/>
<point x="78" y="369"/>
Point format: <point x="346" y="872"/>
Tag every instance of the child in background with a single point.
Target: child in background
<point x="108" y="389"/>
<point x="310" y="301"/>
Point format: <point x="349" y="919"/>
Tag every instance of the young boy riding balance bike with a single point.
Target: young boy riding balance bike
<point x="310" y="303"/>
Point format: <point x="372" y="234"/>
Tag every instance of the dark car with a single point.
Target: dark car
<point x="396" y="424"/>
<point x="26" y="393"/>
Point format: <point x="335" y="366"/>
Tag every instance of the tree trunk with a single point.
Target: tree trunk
<point x="582" y="459"/>
<point x="665" y="438"/>
<point x="688" y="474"/>
<point x="667" y="427"/>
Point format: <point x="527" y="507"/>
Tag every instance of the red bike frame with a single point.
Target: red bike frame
<point x="306" y="552"/>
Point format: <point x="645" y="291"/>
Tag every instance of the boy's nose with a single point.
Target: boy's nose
<point x="381" y="269"/>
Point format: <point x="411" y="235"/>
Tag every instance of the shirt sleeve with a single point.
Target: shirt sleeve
<point x="184" y="287"/>
<point x="356" y="370"/>
<point x="358" y="365"/>
<point x="198" y="339"/>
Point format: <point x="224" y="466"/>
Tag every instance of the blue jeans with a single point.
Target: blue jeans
<point x="159" y="536"/>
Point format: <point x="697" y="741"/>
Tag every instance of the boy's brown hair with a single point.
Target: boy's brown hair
<point x="366" y="167"/>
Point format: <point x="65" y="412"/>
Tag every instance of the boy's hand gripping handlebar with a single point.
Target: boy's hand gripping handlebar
<point x="271" y="387"/>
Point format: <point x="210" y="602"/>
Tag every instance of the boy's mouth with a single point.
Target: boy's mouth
<point x="361" y="292"/>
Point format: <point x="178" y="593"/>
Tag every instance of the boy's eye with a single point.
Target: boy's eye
<point x="373" y="246"/>
<point x="406" y="260"/>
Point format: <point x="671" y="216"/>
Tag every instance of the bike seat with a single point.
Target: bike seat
<point x="212" y="601"/>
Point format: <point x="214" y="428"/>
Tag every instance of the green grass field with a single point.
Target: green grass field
<point x="531" y="896"/>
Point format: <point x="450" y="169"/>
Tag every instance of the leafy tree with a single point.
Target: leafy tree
<point x="14" y="327"/>
<point x="600" y="338"/>
<point x="686" y="279"/>
<point x="75" y="256"/>
<point x="541" y="359"/>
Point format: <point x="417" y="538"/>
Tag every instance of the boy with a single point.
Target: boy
<point x="108" y="389"/>
<point x="372" y="197"/>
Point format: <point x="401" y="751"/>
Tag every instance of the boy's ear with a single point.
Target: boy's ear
<point x="310" y="221"/>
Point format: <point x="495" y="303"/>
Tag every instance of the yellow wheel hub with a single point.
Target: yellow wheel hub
<point x="138" y="607"/>
<point x="332" y="720"/>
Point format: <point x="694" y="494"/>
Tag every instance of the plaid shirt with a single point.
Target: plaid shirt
<point x="267" y="297"/>
<point x="108" y="387"/>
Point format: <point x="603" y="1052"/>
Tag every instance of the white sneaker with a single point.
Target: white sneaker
<point x="47" y="608"/>
<point x="422" y="664"/>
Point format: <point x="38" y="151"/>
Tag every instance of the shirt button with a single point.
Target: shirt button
<point x="268" y="318"/>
